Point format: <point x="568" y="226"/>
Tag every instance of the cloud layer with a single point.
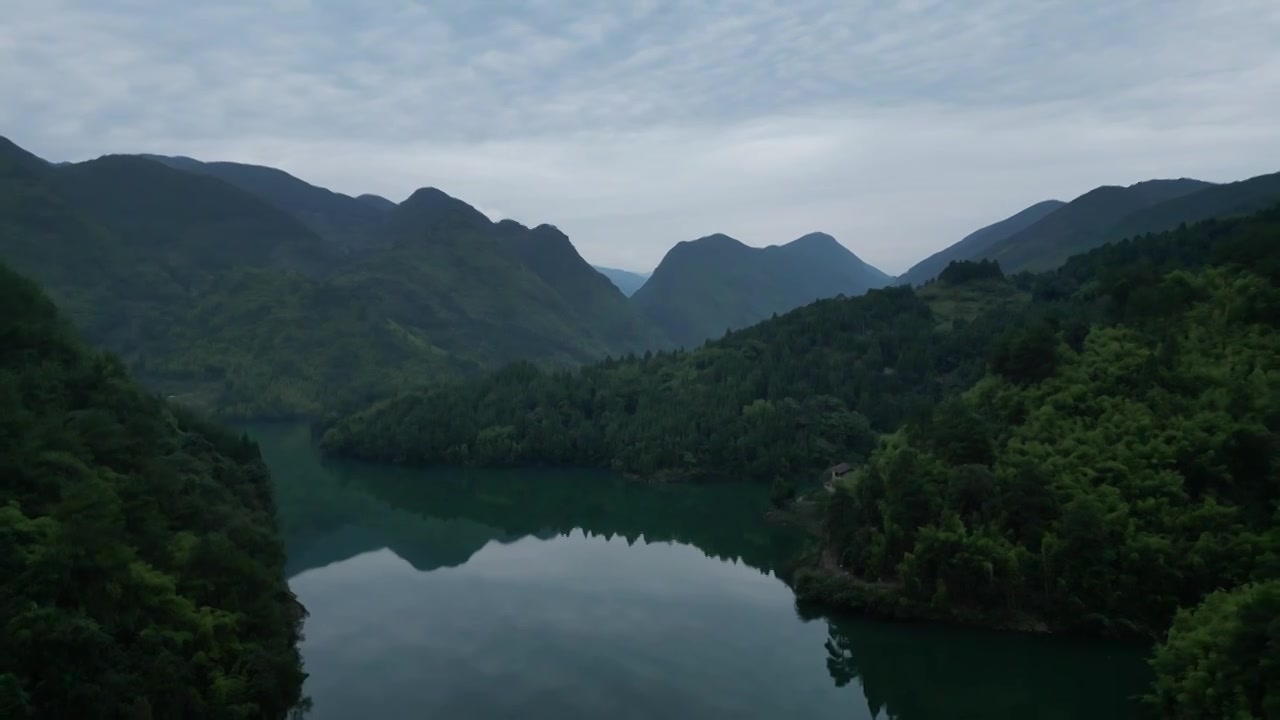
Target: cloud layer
<point x="897" y="127"/>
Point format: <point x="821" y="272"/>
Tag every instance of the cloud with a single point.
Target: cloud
<point x="897" y="127"/>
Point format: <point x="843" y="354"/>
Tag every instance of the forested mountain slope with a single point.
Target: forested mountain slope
<point x="593" y="297"/>
<point x="973" y="245"/>
<point x="783" y="399"/>
<point x="349" y="224"/>
<point x="1119" y="459"/>
<point x="706" y="286"/>
<point x="493" y="292"/>
<point x="142" y="570"/>
<point x="197" y="303"/>
<point x="214" y="294"/>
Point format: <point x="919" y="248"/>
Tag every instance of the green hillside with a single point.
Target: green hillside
<point x="599" y="304"/>
<point x="188" y="280"/>
<point x="143" y="573"/>
<point x="1117" y="461"/>
<point x="973" y="245"/>
<point x="349" y="224"/>
<point x="782" y="399"/>
<point x="214" y="295"/>
<point x="706" y="286"/>
<point x="493" y="292"/>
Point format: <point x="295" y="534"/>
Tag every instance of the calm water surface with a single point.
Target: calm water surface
<point x="453" y="594"/>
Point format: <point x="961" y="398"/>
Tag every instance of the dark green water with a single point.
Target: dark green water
<point x="451" y="594"/>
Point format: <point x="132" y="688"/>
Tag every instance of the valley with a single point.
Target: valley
<point x="1063" y="423"/>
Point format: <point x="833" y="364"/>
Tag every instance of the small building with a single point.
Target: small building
<point x="840" y="471"/>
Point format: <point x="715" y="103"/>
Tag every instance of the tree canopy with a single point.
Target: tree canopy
<point x="142" y="570"/>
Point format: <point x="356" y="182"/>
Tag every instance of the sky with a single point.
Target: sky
<point x="898" y="127"/>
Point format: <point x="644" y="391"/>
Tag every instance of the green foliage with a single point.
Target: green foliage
<point x="142" y="572"/>
<point x="965" y="271"/>
<point x="1222" y="658"/>
<point x="707" y="285"/>
<point x="1098" y="482"/>
<point x="787" y="399"/>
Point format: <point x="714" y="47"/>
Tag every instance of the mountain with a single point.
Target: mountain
<point x="705" y="286"/>
<point x="377" y="201"/>
<point x="16" y="159"/>
<point x="625" y="280"/>
<point x="494" y="291"/>
<point x="1082" y="224"/>
<point x="1043" y="235"/>
<point x="192" y="224"/>
<point x="206" y="291"/>
<point x="129" y="526"/>
<point x="976" y="243"/>
<point x="599" y="303"/>
<point x="346" y="222"/>
<point x="215" y="295"/>
<point x="1244" y="197"/>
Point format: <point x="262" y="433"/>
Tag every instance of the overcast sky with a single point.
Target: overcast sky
<point x="898" y="127"/>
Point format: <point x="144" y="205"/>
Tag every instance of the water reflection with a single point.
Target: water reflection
<point x="580" y="594"/>
<point x="929" y="671"/>
<point x="333" y="510"/>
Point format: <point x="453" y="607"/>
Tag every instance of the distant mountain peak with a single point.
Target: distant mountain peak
<point x="12" y="155"/>
<point x="432" y="208"/>
<point x="425" y="195"/>
<point x="376" y="201"/>
<point x="712" y="241"/>
<point x="715" y="282"/>
<point x="814" y="238"/>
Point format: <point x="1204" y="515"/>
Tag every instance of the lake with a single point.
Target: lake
<point x="575" y="594"/>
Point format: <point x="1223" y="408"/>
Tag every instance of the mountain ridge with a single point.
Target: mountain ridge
<point x="346" y="222"/>
<point x="705" y="286"/>
<point x="975" y="243"/>
<point x="1081" y="224"/>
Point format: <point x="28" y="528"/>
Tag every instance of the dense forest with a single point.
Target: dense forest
<point x="142" y="569"/>
<point x="784" y="399"/>
<point x="1118" y="461"/>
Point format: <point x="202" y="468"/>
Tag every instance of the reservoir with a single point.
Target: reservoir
<point x="538" y="594"/>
